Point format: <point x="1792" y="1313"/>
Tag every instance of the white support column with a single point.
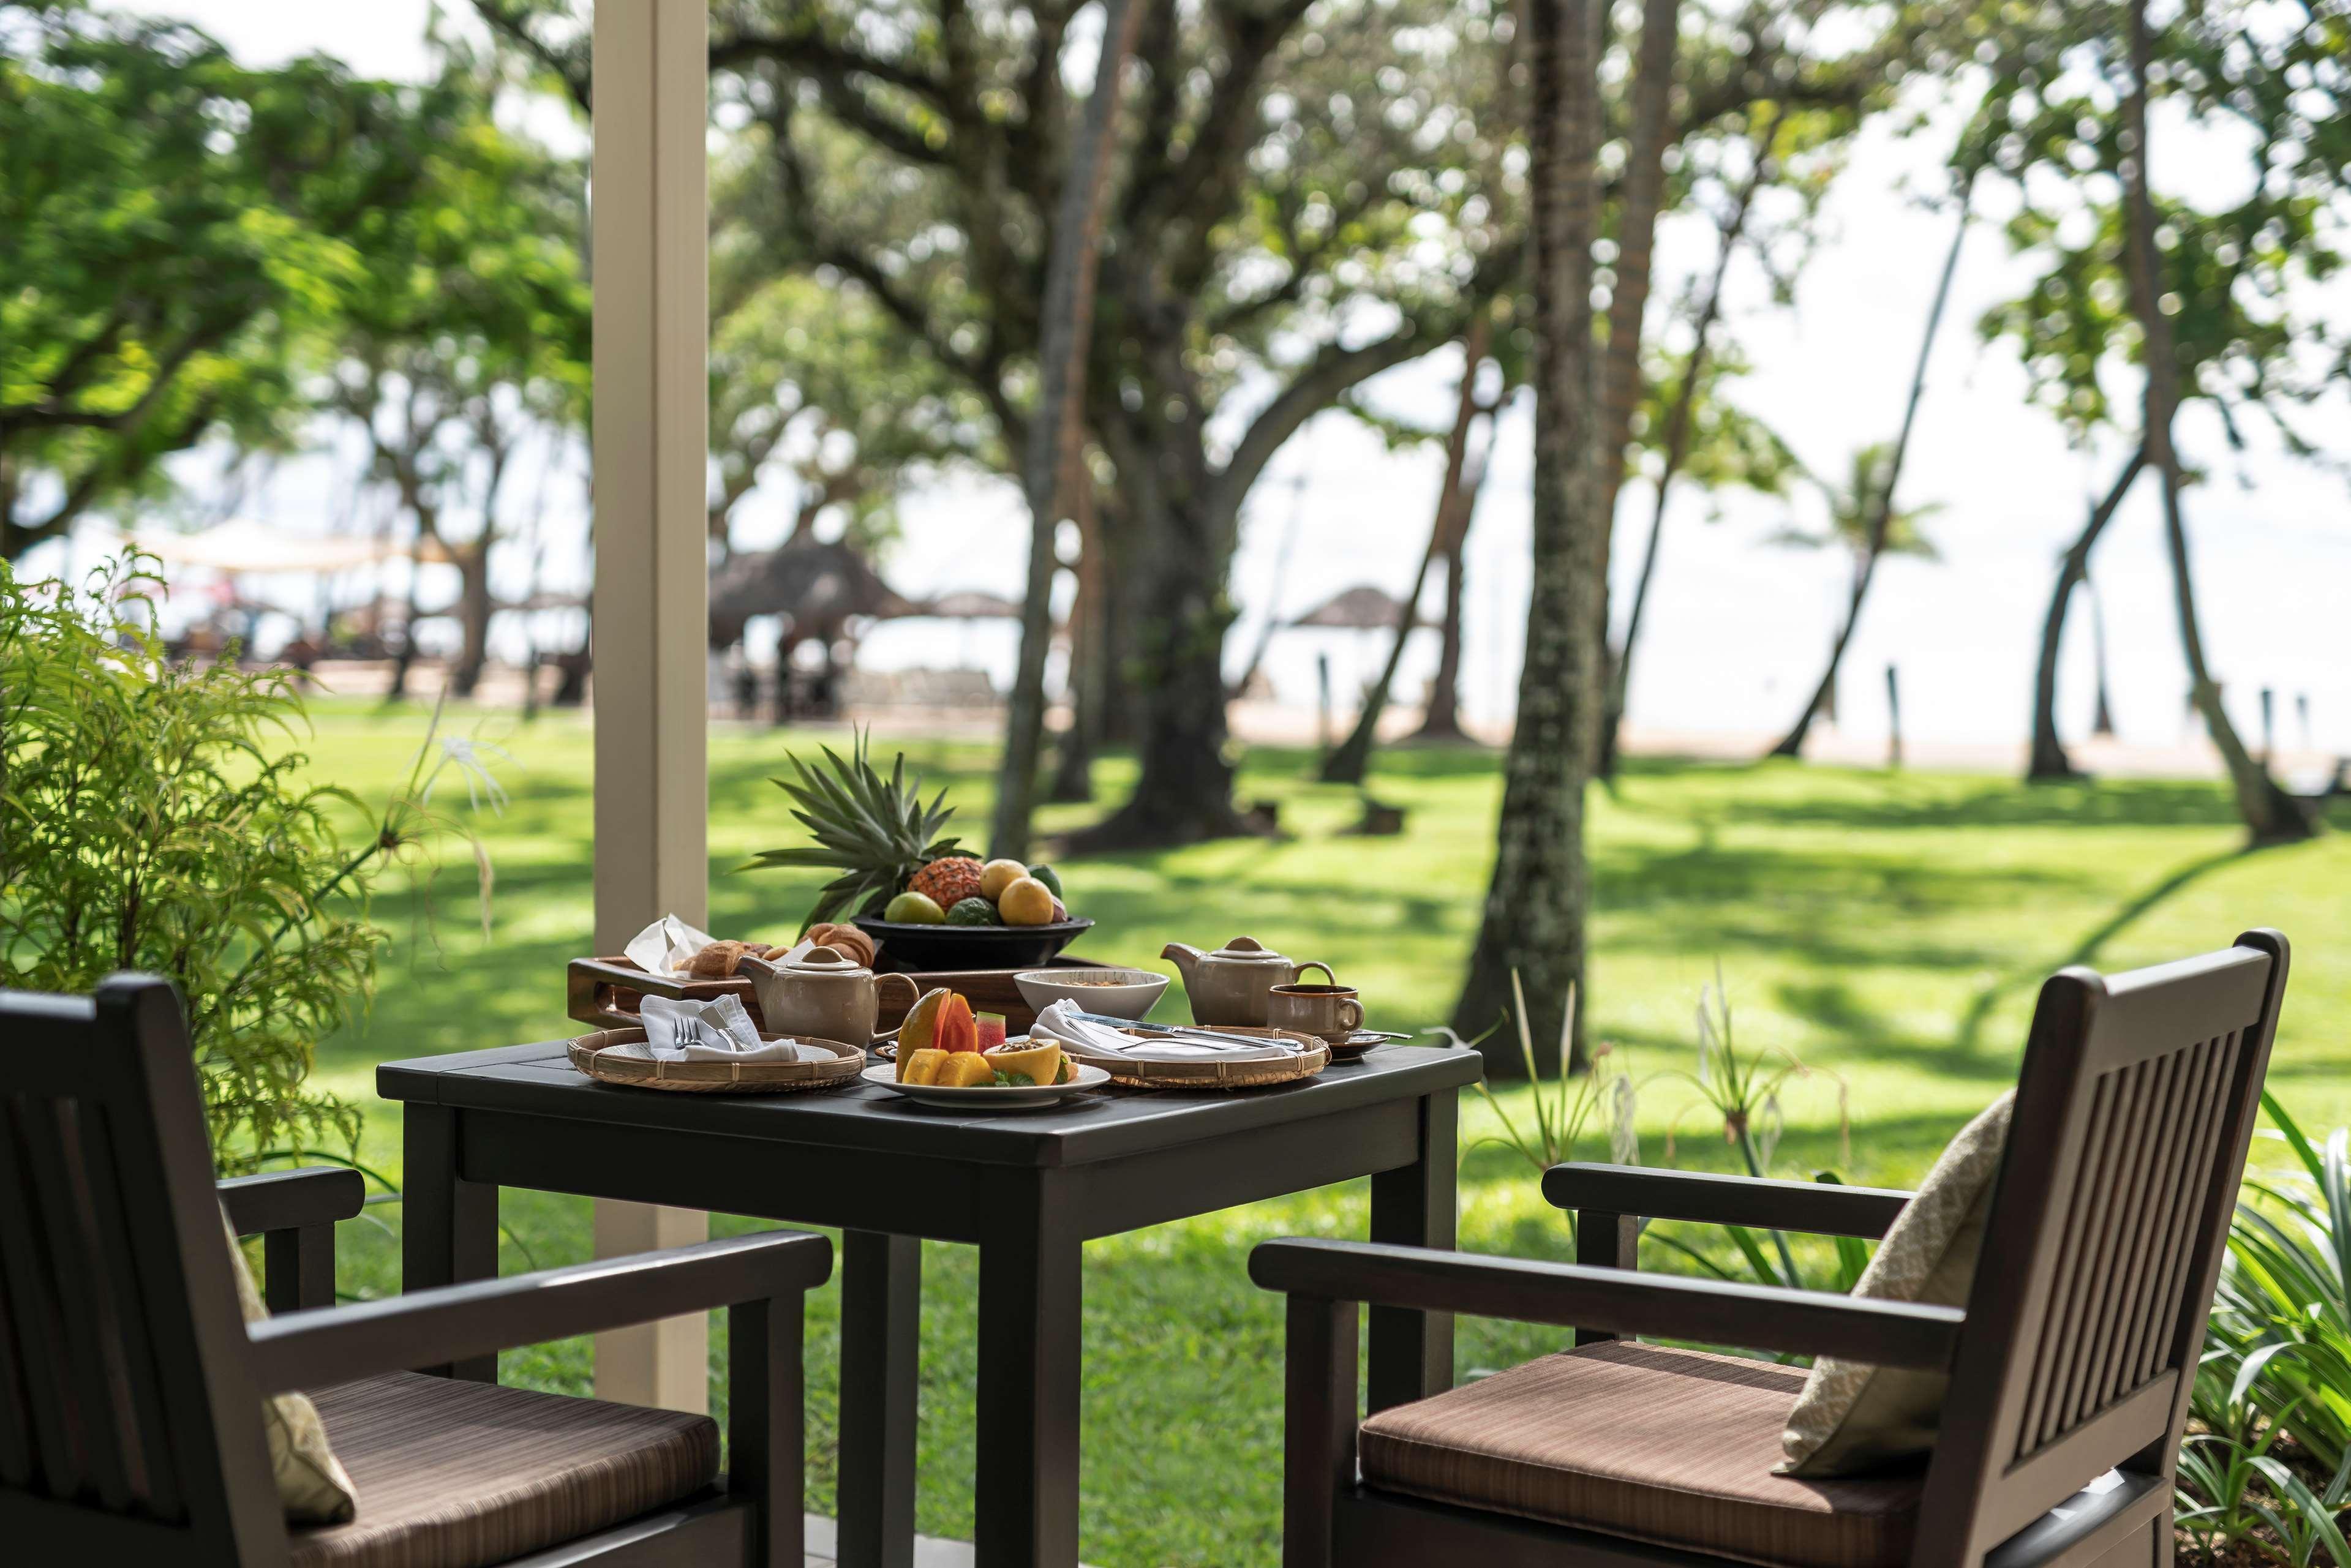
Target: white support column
<point x="649" y="204"/>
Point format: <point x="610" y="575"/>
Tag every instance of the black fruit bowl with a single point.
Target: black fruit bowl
<point x="907" y="947"/>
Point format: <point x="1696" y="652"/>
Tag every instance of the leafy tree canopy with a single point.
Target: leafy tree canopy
<point x="180" y="227"/>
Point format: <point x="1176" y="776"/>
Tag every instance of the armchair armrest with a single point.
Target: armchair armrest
<point x="288" y="1201"/>
<point x="1820" y="1208"/>
<point x="295" y="1213"/>
<point x="1759" y="1317"/>
<point x="306" y="1349"/>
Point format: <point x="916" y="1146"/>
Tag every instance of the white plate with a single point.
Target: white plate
<point x="988" y="1097"/>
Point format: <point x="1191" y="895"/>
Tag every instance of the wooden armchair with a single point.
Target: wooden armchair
<point x="2070" y="1365"/>
<point x="130" y="1386"/>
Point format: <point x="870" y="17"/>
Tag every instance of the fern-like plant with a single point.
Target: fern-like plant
<point x="152" y="817"/>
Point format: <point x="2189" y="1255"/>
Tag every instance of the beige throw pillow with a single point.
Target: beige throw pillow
<point x="311" y="1484"/>
<point x="1852" y="1418"/>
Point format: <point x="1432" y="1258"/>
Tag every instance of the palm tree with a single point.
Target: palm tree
<point x="2271" y="815"/>
<point x="1533" y="929"/>
<point x="1855" y="527"/>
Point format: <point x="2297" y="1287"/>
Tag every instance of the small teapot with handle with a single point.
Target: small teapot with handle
<point x="822" y="994"/>
<point x="1229" y="985"/>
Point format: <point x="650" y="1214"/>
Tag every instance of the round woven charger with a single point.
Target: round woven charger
<point x="1209" y="1073"/>
<point x="594" y="1055"/>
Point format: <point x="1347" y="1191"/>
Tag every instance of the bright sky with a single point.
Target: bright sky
<point x="1737" y="626"/>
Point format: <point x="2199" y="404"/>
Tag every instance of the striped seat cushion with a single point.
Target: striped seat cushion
<point x="453" y="1474"/>
<point x="1674" y="1447"/>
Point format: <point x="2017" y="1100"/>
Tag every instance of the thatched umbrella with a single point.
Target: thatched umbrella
<point x="819" y="586"/>
<point x="1363" y="608"/>
<point x="969" y="604"/>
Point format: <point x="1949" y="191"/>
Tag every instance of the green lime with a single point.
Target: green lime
<point x="1047" y="875"/>
<point x="914" y="909"/>
<point x="972" y="910"/>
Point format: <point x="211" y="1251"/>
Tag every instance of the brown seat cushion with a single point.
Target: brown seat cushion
<point x="452" y="1474"/>
<point x="1670" y="1446"/>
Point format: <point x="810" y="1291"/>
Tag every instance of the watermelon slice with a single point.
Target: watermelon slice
<point x="991" y="1029"/>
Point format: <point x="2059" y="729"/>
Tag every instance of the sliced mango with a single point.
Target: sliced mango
<point x="921" y="1029"/>
<point x="963" y="1069"/>
<point x="919" y="1066"/>
<point x="1040" y="1064"/>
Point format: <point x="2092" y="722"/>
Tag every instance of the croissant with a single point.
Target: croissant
<point x="844" y="939"/>
<point x="715" y="962"/>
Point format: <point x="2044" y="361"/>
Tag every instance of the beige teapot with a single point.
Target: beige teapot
<point x="1229" y="985"/>
<point x="822" y="994"/>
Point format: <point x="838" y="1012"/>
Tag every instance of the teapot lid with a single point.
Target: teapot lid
<point x="820" y="959"/>
<point x="1248" y="950"/>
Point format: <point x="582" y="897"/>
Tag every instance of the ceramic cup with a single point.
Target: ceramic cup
<point x="1329" y="1013"/>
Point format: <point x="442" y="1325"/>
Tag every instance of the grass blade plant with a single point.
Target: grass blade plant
<point x="1743" y="1089"/>
<point x="1565" y="1107"/>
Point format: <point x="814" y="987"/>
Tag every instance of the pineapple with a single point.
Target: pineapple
<point x="874" y="831"/>
<point x="948" y="882"/>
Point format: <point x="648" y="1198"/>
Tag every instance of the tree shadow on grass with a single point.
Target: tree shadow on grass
<point x="2086" y="950"/>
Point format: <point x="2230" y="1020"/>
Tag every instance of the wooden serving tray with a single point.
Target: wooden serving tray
<point x="607" y="991"/>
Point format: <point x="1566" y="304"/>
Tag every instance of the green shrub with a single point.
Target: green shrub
<point x="154" y="820"/>
<point x="2272" y="1471"/>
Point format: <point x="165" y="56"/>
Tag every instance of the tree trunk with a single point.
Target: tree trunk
<point x="1644" y="185"/>
<point x="1533" y="928"/>
<point x="1881" y="504"/>
<point x="1050" y="471"/>
<point x="1677" y="442"/>
<point x="2271" y="815"/>
<point x="2049" y="760"/>
<point x="406" y="660"/>
<point x="1643" y="177"/>
<point x="2102" y="720"/>
<point x="1183" y="792"/>
<point x="1074" y="763"/>
<point x="474" y="611"/>
<point x="1442" y="720"/>
<point x="1347" y="763"/>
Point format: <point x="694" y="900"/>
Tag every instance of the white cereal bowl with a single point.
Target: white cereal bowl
<point x="1114" y="993"/>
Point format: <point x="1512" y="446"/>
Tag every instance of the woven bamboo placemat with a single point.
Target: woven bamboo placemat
<point x="1207" y="1073"/>
<point x="603" y="1056"/>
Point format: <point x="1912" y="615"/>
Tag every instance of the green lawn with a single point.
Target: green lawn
<point x="1889" y="929"/>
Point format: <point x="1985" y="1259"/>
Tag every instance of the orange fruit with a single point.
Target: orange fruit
<point x="1026" y="902"/>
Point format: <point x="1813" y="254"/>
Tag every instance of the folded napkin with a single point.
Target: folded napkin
<point x="719" y="1030"/>
<point x="666" y="945"/>
<point x="1060" y="1021"/>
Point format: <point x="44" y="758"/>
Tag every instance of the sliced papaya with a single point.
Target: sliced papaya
<point x="956" y="1029"/>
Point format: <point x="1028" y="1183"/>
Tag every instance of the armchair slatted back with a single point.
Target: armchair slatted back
<point x="125" y="1416"/>
<point x="2134" y="1112"/>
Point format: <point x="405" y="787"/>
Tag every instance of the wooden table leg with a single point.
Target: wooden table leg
<point x="449" y="1225"/>
<point x="1410" y="1354"/>
<point x="1025" y="1506"/>
<point x="881" y="1362"/>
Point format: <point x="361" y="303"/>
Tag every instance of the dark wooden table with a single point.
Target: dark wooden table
<point x="1027" y="1189"/>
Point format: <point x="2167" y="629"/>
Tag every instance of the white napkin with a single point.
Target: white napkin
<point x="717" y="1030"/>
<point x="664" y="947"/>
<point x="1060" y="1021"/>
